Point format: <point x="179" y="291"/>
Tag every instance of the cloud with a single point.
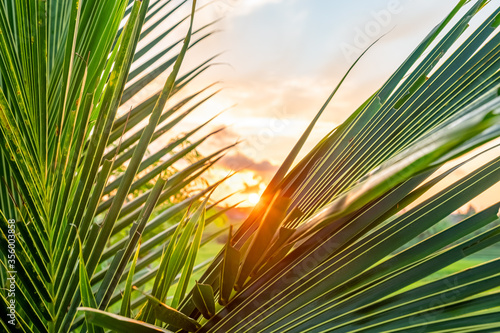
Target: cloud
<point x="244" y="7"/>
<point x="265" y="169"/>
<point x="250" y="188"/>
<point x="221" y="8"/>
<point x="224" y="138"/>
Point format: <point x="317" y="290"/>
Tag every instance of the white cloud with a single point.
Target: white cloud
<point x="240" y="7"/>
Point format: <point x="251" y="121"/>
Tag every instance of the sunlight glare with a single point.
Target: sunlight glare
<point x="253" y="198"/>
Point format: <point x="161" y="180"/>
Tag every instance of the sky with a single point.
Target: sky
<point x="279" y="61"/>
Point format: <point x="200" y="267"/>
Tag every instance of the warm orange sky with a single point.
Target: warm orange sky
<point x="282" y="58"/>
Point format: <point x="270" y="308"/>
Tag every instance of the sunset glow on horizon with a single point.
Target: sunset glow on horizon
<point x="272" y="83"/>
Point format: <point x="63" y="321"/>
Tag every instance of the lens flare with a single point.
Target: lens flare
<point x="253" y="198"/>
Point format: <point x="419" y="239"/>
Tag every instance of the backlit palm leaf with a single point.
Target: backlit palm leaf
<point x="64" y="69"/>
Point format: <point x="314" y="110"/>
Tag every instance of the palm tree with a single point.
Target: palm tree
<point x="77" y="174"/>
<point x="324" y="250"/>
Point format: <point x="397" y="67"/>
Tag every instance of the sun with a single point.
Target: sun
<point x="253" y="198"/>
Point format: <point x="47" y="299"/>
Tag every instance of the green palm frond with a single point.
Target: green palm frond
<point x="331" y="253"/>
<point x="70" y="160"/>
